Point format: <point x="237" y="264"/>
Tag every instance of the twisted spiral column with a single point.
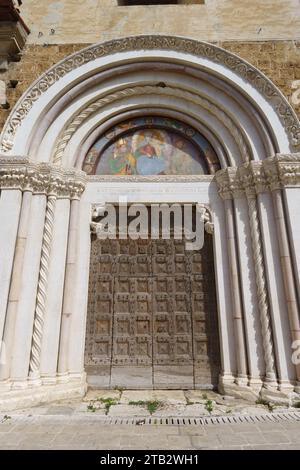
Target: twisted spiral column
<point x="263" y="304"/>
<point x="34" y="365"/>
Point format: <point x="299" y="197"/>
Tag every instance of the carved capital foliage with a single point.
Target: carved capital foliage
<point x="41" y="178"/>
<point x="283" y="170"/>
<point x="228" y="183"/>
<point x="259" y="176"/>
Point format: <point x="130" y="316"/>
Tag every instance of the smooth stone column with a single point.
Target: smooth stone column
<point x="288" y="275"/>
<point x="56" y="276"/>
<point x="69" y="291"/>
<point x="15" y="285"/>
<point x="225" y="319"/>
<point x="78" y="321"/>
<point x="28" y="289"/>
<point x="10" y="205"/>
<point x="292" y="204"/>
<point x="236" y="296"/>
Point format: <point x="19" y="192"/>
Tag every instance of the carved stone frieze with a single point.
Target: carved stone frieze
<point x="151" y="42"/>
<point x="41" y="178"/>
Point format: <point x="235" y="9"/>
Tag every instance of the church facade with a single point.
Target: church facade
<point x="106" y="104"/>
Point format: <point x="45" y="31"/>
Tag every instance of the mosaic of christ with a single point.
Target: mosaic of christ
<point x="151" y="151"/>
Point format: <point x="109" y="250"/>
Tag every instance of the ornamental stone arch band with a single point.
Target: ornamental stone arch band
<point x="47" y="201"/>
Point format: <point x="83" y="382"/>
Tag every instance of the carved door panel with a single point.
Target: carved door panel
<point x="152" y="314"/>
<point x="132" y="327"/>
<point x="100" y="305"/>
<point x="204" y="314"/>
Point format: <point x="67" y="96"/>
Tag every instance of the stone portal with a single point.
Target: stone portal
<point x="152" y="315"/>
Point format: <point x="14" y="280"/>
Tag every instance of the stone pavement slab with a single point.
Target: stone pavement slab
<point x="58" y="432"/>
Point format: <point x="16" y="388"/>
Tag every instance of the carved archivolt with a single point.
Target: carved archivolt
<point x="41" y="178"/>
<point x="170" y="43"/>
<point x="175" y="92"/>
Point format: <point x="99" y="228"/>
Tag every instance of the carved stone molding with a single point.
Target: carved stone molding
<point x="149" y="179"/>
<point x="259" y="176"/>
<point x="41" y="178"/>
<point x="161" y="42"/>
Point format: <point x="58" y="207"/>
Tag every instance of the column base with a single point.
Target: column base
<point x="238" y="388"/>
<point x="278" y="397"/>
<point x="33" y="396"/>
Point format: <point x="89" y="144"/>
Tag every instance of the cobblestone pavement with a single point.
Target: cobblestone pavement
<point x="80" y="424"/>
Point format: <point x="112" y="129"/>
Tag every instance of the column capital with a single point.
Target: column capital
<point x="249" y="179"/>
<point x="41" y="178"/>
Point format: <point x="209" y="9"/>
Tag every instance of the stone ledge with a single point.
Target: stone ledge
<point x="16" y="399"/>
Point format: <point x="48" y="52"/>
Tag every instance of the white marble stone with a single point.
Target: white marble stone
<point x="21" y="346"/>
<point x="57" y="266"/>
<point x="10" y="205"/>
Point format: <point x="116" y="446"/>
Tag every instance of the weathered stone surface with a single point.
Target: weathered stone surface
<point x="128" y="410"/>
<point x="170" y="410"/>
<point x="196" y="411"/>
<point x="170" y="396"/>
<point x="137" y="395"/>
<point x="275" y="397"/>
<point x="216" y="20"/>
<point x="249" y="410"/>
<point x="96" y="395"/>
<point x="131" y="377"/>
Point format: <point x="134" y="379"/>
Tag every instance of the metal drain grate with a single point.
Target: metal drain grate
<point x="185" y="421"/>
<point x="158" y="420"/>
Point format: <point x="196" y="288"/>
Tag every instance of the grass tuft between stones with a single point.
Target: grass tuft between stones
<point x="107" y="402"/>
<point x="152" y="406"/>
<point x="209" y="406"/>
